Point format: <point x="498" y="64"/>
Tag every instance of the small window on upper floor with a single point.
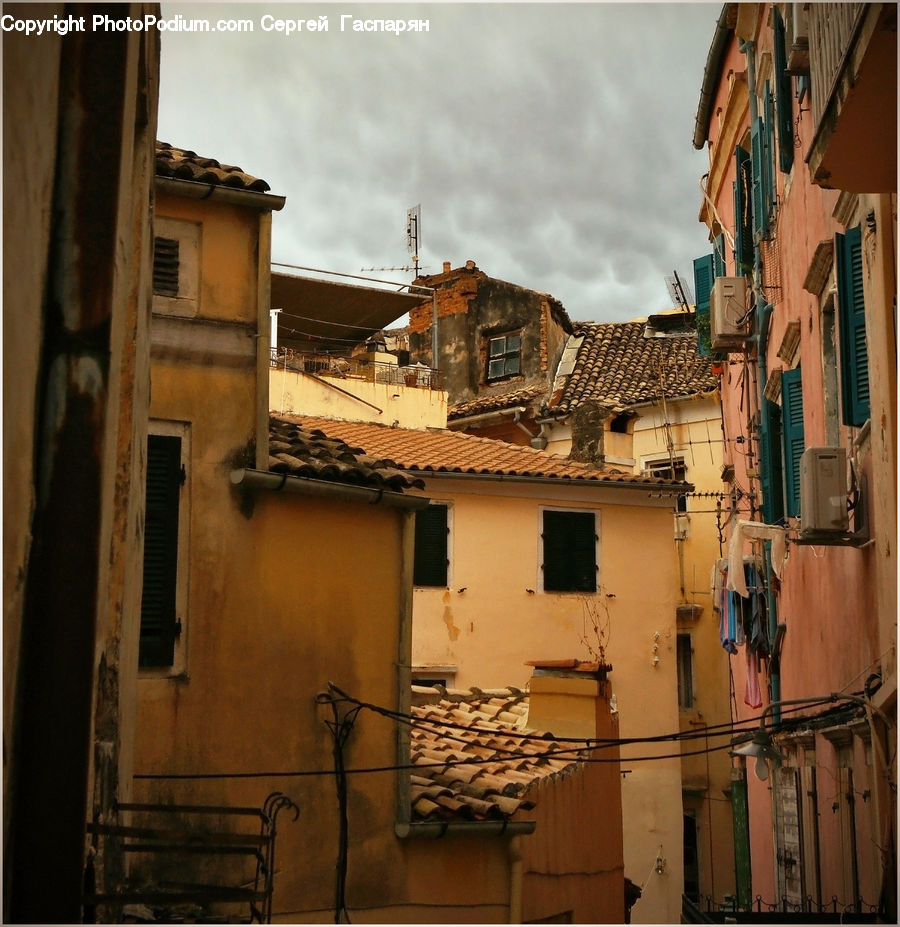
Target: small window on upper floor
<point x="176" y="267"/>
<point x="670" y="470"/>
<point x="504" y="356"/>
<point x="431" y="561"/>
<point x="569" y="551"/>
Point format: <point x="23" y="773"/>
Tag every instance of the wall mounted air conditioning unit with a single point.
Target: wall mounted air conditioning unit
<point x="727" y="313"/>
<point x="823" y="492"/>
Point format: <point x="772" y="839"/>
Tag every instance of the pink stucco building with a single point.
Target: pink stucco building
<point x="798" y="114"/>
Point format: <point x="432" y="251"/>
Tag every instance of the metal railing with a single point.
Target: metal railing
<point x="175" y="841"/>
<point x="359" y="368"/>
<point x="782" y="911"/>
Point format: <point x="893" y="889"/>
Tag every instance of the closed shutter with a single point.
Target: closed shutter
<point x="570" y="552"/>
<point x="719" y="256"/>
<point x="784" y="99"/>
<point x="743" y="213"/>
<point x="159" y="621"/>
<point x="757" y="142"/>
<point x="771" y="472"/>
<point x="165" y="266"/>
<point x="794" y="444"/>
<point x="852" y="322"/>
<point x="704" y="274"/>
<point x="430" y="562"/>
<point x="768" y="151"/>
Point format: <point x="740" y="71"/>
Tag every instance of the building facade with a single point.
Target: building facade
<point x="799" y="292"/>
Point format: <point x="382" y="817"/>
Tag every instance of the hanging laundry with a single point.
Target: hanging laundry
<point x="753" y="694"/>
<point x="753" y="530"/>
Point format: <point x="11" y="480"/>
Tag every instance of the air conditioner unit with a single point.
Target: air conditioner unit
<point x="727" y="313"/>
<point x="823" y="492"/>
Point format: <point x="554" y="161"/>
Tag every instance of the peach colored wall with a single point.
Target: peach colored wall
<point x="488" y="624"/>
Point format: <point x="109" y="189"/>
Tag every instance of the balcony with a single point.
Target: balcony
<point x="853" y="74"/>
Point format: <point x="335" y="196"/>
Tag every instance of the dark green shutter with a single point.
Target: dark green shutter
<point x="771" y="473"/>
<point x="570" y="552"/>
<point x="165" y="266"/>
<point x="159" y="620"/>
<point x="852" y="324"/>
<point x="794" y="444"/>
<point x="719" y="256"/>
<point x="430" y="562"/>
<point x="768" y="152"/>
<point x="743" y="214"/>
<point x="757" y="142"/>
<point x="784" y="99"/>
<point x="704" y="275"/>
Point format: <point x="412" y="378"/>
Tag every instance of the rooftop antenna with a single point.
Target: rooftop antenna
<point x="413" y="239"/>
<point x="679" y="292"/>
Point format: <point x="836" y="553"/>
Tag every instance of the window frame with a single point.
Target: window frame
<point x="505" y="355"/>
<point x="554" y="511"/>
<point x="684" y="654"/>
<point x="418" y="565"/>
<point x="658" y="464"/>
<point x="188" y="235"/>
<point x="177" y="666"/>
<point x="793" y="437"/>
<point x="851" y="319"/>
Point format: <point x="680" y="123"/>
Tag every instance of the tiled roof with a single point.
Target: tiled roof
<point x="618" y="367"/>
<point x="179" y="164"/>
<point x="444" y="451"/>
<point x="474" y="757"/>
<point x="494" y="403"/>
<point x="304" y="451"/>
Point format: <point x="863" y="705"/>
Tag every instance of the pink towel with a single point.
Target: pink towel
<point x="753" y="695"/>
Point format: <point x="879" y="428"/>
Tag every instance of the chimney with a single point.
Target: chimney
<point x="571" y="698"/>
<point x="470" y="265"/>
<point x="446" y="267"/>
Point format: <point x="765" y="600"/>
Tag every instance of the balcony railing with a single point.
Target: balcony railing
<point x="832" y="28"/>
<point x="348" y="368"/>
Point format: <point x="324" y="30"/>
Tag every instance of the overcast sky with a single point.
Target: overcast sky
<point x="550" y="143"/>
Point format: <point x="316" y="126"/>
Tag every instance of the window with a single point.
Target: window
<point x="165" y="266"/>
<point x="685" y="665"/>
<point x="762" y="172"/>
<point x="431" y="563"/>
<point x="743" y="223"/>
<point x="160" y="623"/>
<point x="771" y="463"/>
<point x="852" y="328"/>
<point x="569" y="551"/>
<point x="793" y="434"/>
<point x="176" y="267"/>
<point x="504" y="356"/>
<point x="675" y="470"/>
<point x="704" y="275"/>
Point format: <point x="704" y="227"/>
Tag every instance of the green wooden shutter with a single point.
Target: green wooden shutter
<point x="719" y="256"/>
<point x="757" y="141"/>
<point x="794" y="443"/>
<point x="159" y="619"/>
<point x="570" y="552"/>
<point x="854" y="360"/>
<point x="430" y="561"/>
<point x="704" y="275"/>
<point x="784" y="99"/>
<point x="771" y="472"/>
<point x="768" y="152"/>
<point x="743" y="213"/>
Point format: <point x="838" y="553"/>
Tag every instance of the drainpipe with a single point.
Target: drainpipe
<point x="515" y="880"/>
<point x="404" y="665"/>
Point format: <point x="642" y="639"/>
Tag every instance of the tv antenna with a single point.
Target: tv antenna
<point x="413" y="239"/>
<point x="679" y="292"/>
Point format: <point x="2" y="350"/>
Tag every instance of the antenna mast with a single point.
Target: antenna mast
<point x="413" y="234"/>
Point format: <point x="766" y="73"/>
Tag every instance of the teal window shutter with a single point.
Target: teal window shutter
<point x="743" y="213"/>
<point x="854" y="360"/>
<point x="704" y="275"/>
<point x="757" y="133"/>
<point x="784" y="99"/>
<point x="770" y="464"/>
<point x="768" y="152"/>
<point x="570" y="552"/>
<point x="794" y="441"/>
<point x="159" y="619"/>
<point x="430" y="561"/>
<point x="719" y="256"/>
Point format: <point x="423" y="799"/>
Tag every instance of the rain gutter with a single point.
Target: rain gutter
<point x="284" y="482"/>
<point x="434" y="830"/>
<point x="204" y="191"/>
<point x="552" y="480"/>
<point x="486" y="416"/>
<point x="711" y="73"/>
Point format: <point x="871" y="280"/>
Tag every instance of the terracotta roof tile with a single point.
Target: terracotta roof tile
<point x="470" y="766"/>
<point x="495" y="402"/>
<point x="309" y="452"/>
<point x="447" y="452"/>
<point x="618" y="367"/>
<point x="180" y="164"/>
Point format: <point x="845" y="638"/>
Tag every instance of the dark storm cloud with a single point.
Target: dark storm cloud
<point x="549" y="143"/>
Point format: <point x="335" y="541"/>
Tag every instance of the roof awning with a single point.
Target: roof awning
<point x="323" y="315"/>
